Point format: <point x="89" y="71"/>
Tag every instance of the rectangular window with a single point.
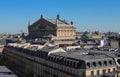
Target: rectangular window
<point x="104" y="71"/>
<point x="38" y="76"/>
<point x="108" y="70"/>
<point x="113" y="69"/>
<point x="92" y="73"/>
<point x="98" y="72"/>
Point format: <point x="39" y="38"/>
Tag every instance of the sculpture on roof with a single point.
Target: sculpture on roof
<point x="58" y="16"/>
<point x="41" y="16"/>
<point x="71" y="22"/>
<point x="86" y="35"/>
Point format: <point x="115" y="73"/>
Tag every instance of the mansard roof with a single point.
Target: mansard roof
<point x="58" y="21"/>
<point x="88" y="55"/>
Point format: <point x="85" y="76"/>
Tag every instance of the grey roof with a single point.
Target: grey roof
<point x="58" y="21"/>
<point x="4" y="69"/>
<point x="5" y="72"/>
<point x="48" y="49"/>
<point x="86" y="55"/>
<point x="8" y="76"/>
<point x="53" y="21"/>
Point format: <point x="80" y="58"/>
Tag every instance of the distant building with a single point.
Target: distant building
<point x="91" y="35"/>
<point x="1" y="49"/>
<point x="114" y="42"/>
<point x="89" y="40"/>
<point x="56" y="30"/>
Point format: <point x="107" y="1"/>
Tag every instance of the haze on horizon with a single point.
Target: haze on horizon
<point x="92" y="15"/>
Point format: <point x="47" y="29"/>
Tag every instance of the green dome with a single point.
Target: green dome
<point x="87" y="34"/>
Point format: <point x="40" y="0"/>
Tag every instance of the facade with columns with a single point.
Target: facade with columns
<point x="56" y="30"/>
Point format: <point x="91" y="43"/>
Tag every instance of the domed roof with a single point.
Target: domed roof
<point x="87" y="34"/>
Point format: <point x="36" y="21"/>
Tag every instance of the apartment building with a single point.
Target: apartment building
<point x="45" y="61"/>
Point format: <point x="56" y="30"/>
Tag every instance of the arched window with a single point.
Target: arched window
<point x="88" y="65"/>
<point x="118" y="61"/>
<point x="105" y="63"/>
<point x="110" y="62"/>
<point x="94" y="64"/>
<point x="99" y="63"/>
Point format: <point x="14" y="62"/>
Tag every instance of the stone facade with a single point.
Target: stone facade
<point x="52" y="29"/>
<point x="39" y="63"/>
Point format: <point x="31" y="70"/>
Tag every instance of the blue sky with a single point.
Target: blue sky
<point x="102" y="15"/>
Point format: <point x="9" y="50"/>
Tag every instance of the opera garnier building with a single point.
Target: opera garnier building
<point x="57" y="31"/>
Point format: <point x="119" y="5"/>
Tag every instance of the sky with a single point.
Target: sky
<point x="92" y="15"/>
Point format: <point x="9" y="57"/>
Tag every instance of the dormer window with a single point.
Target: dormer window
<point x="105" y="63"/>
<point x="99" y="63"/>
<point x="88" y="65"/>
<point x="110" y="62"/>
<point x="94" y="64"/>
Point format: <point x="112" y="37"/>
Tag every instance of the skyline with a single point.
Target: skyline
<point x="101" y="15"/>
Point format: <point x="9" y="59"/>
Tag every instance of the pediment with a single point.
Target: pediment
<point x="42" y="25"/>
